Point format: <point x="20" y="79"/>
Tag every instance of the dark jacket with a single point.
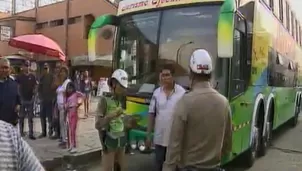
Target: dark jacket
<point x="46" y="90"/>
<point x="9" y="99"/>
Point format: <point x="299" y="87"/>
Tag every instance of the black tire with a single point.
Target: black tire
<point x="294" y="121"/>
<point x="248" y="159"/>
<point x="265" y="140"/>
<point x="250" y="155"/>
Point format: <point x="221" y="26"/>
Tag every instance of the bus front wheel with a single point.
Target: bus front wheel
<point x="250" y="155"/>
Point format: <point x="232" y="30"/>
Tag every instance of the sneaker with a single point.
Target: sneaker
<point x="73" y="150"/>
<point x="50" y="133"/>
<point x="32" y="137"/>
<point x="54" y="137"/>
<point x="42" y="136"/>
<point x="63" y="145"/>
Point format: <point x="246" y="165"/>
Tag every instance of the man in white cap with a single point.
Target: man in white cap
<point x="201" y="131"/>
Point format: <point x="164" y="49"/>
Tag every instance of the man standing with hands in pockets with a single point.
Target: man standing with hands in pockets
<point x="201" y="131"/>
<point x="161" y="109"/>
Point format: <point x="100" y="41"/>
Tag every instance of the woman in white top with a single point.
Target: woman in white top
<point x="61" y="99"/>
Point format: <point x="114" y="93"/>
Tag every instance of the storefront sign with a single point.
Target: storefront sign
<point x="6" y="33"/>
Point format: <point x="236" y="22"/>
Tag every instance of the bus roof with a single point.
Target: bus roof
<point x="129" y="6"/>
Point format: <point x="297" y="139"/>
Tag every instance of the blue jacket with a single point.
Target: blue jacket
<point x="9" y="99"/>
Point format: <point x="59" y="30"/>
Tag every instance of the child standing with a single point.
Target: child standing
<point x="72" y="103"/>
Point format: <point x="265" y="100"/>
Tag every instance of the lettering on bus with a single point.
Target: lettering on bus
<point x="157" y="3"/>
<point x="135" y="5"/>
<point x="145" y="3"/>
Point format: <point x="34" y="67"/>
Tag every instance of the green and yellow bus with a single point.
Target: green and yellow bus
<point x="256" y="52"/>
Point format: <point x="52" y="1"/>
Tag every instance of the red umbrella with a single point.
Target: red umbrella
<point x="38" y="43"/>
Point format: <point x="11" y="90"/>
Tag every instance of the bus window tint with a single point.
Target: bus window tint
<point x="183" y="25"/>
<point x="138" y="48"/>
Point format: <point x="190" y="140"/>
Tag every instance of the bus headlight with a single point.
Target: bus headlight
<point x="133" y="145"/>
<point x="141" y="145"/>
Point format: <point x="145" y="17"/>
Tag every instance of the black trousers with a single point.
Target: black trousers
<point x="27" y="111"/>
<point x="46" y="116"/>
<point x="160" y="157"/>
<point x="56" y="120"/>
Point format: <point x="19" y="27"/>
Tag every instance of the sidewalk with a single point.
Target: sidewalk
<point x="52" y="156"/>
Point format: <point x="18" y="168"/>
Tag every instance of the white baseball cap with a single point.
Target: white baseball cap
<point x="201" y="62"/>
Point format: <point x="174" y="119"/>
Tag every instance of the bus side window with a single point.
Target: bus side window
<point x="240" y="64"/>
<point x="237" y="77"/>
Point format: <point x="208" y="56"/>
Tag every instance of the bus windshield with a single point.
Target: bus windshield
<point x="149" y="40"/>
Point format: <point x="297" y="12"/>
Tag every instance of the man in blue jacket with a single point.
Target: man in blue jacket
<point x="9" y="97"/>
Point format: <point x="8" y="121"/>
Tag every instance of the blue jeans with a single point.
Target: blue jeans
<point x="26" y="111"/>
<point x="160" y="157"/>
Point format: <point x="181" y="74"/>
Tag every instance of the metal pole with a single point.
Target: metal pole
<point x="13" y="7"/>
<point x="36" y="12"/>
<point x="66" y="27"/>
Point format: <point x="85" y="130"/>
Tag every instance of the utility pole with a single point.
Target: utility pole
<point x="13" y="7"/>
<point x="67" y="3"/>
<point x="36" y="12"/>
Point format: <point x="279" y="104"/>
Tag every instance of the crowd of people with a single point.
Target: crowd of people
<point x="50" y="88"/>
<point x="191" y="132"/>
<point x="60" y="99"/>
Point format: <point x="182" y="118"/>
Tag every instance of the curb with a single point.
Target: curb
<point x="72" y="160"/>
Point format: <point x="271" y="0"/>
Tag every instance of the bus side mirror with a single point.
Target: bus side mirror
<point x="100" y="22"/>
<point x="107" y="34"/>
<point x="225" y="30"/>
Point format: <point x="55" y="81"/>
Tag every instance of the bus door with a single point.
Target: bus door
<point x="240" y="66"/>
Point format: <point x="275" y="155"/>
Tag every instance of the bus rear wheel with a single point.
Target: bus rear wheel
<point x="266" y="140"/>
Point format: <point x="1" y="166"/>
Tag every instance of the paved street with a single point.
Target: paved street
<point x="284" y="155"/>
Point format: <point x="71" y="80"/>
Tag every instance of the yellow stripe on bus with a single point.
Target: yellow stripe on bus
<point x="135" y="99"/>
<point x="240" y="126"/>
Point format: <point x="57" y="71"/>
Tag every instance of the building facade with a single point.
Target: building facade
<point x="67" y="22"/>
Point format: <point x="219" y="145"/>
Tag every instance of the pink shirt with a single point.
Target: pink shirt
<point x="73" y="101"/>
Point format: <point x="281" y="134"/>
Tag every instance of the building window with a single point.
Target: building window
<point x="41" y="25"/>
<point x="74" y="20"/>
<point x="88" y="20"/>
<point x="55" y="23"/>
<point x="271" y="4"/>
<point x="287" y="16"/>
<point x="281" y="11"/>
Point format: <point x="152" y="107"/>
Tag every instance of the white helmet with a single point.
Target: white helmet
<point x="121" y="76"/>
<point x="201" y="62"/>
